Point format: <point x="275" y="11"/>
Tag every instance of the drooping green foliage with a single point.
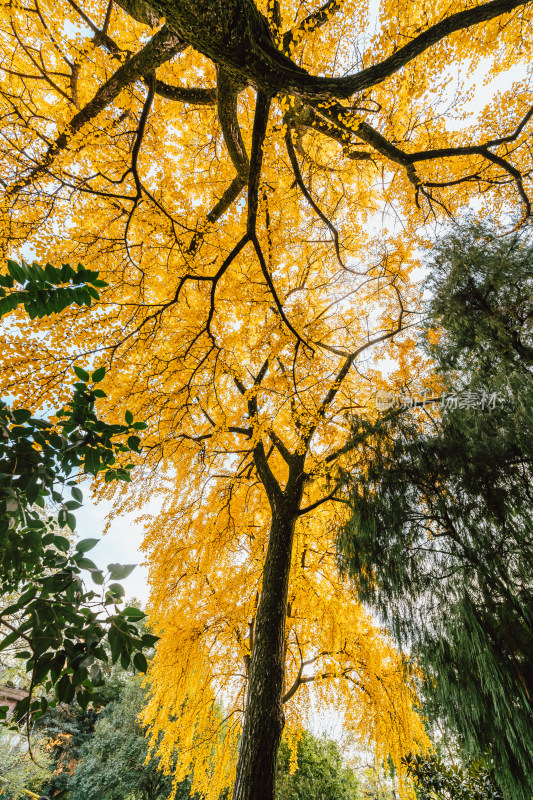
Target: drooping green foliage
<point x="51" y="620"/>
<point x="441" y="537"/>
<point x="435" y="780"/>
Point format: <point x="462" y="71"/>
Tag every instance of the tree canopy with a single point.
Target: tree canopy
<point x="320" y="773"/>
<point x="223" y="173"/>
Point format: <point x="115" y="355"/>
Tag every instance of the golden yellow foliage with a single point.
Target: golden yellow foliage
<point x="238" y="207"/>
<point x="206" y="561"/>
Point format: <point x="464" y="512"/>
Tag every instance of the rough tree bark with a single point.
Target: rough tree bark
<point x="235" y="34"/>
<point x="264" y="718"/>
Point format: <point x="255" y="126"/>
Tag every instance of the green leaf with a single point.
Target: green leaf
<point x="65" y="689"/>
<point x="41" y="669"/>
<point x="52" y="274"/>
<point x="149" y="640"/>
<point x="97" y="576"/>
<point x="7" y="281"/>
<point x="67" y="273"/>
<point x="115" y="643"/>
<point x="128" y="416"/>
<point x="133" y="614"/>
<point x="77" y="494"/>
<point x="92" y="461"/>
<point x="21" y="415"/>
<point x="83" y="698"/>
<point x="33" y="488"/>
<point x="84" y="563"/>
<point x="98" y="375"/>
<point x="84" y="545"/>
<point x="133" y="443"/>
<point x="140" y="663"/>
<point x="118" y="572"/>
<point x="16" y="271"/>
<point x="62" y="543"/>
<point x="9" y="639"/>
<point x="116" y="589"/>
<point x="82" y="374"/>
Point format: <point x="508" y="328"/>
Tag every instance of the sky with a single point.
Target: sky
<point x="121" y="544"/>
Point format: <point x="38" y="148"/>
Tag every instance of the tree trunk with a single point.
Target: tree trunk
<point x="263" y="717"/>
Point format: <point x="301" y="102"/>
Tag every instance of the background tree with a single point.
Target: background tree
<point x="18" y="770"/>
<point x="206" y="287"/>
<point x="67" y="728"/>
<point x="442" y="503"/>
<point x="434" y="780"/>
<point x="320" y="773"/>
<point x="112" y="764"/>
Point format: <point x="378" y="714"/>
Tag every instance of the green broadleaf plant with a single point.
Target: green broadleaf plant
<point x="57" y="625"/>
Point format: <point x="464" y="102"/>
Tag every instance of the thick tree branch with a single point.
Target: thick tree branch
<point x="140" y="133"/>
<point x="266" y="476"/>
<point x="146" y="13"/>
<point x="135" y="157"/>
<point x="236" y="35"/>
<point x="281" y="447"/>
<point x="455" y="22"/>
<point x="228" y="90"/>
<point x="221" y="206"/>
<point x="258" y="137"/>
<point x="316" y="19"/>
<point x="301" y="679"/>
<point x="262" y="109"/>
<point x="100" y="36"/>
<point x="317" y="503"/>
<point x="334" y="126"/>
<point x="196" y="96"/>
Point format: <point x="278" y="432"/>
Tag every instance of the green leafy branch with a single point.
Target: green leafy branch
<point x="47" y="290"/>
<point x="62" y="630"/>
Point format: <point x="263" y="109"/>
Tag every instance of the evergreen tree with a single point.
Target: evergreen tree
<point x="112" y="761"/>
<point x="67" y="728"/>
<point x="441" y="537"/>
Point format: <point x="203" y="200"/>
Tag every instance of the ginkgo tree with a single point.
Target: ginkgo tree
<point x="221" y="173"/>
